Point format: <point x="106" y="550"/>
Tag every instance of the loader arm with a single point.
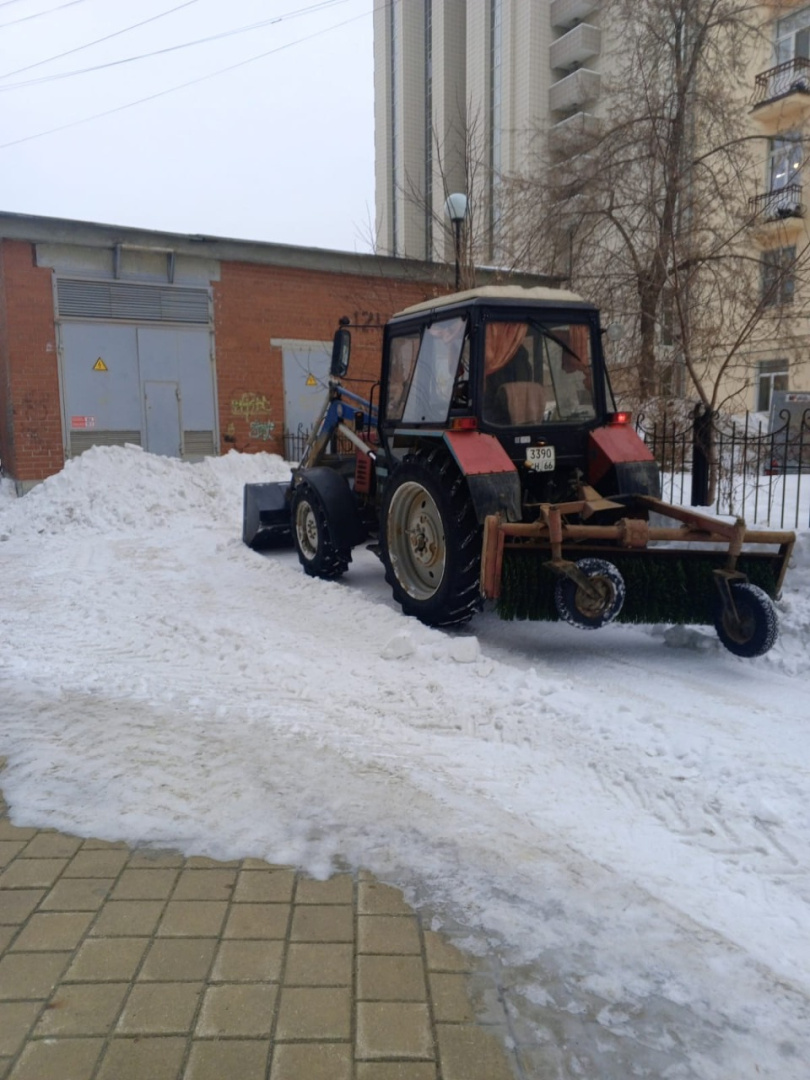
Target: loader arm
<point x="341" y="405"/>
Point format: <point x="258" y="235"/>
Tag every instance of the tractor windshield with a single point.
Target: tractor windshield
<point x="537" y="374"/>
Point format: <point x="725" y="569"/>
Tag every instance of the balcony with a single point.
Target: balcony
<point x="580" y="44"/>
<point x="575" y="90"/>
<point x="782" y="93"/>
<point x="573" y="133"/>
<point x="778" y="205"/>
<point x="567" y="13"/>
<point x="579" y="123"/>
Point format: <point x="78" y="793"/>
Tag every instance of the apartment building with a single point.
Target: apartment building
<point x="465" y="92"/>
<point x="470" y="91"/>
<point x="780" y="113"/>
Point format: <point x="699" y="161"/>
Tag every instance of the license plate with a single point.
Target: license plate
<point x="540" y="458"/>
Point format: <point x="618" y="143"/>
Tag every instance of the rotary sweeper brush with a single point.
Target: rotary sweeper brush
<point x="497" y="467"/>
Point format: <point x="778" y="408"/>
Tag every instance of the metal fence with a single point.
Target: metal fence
<point x="734" y="466"/>
<point x="737" y="466"/>
<point x="296" y="441"/>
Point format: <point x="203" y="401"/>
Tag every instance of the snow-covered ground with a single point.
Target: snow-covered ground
<point x="621" y="820"/>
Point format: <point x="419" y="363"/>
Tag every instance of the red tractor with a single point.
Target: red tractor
<point x="496" y="466"/>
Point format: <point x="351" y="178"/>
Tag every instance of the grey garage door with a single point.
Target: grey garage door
<point x="149" y="385"/>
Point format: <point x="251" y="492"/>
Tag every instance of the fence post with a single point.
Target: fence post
<point x="701" y="441"/>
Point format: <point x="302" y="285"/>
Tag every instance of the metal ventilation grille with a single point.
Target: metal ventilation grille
<point x="198" y="444"/>
<point x="83" y="440"/>
<point x="128" y="301"/>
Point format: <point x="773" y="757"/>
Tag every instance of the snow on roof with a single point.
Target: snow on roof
<point x="529" y="294"/>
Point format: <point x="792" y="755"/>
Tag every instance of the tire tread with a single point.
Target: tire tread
<point x="458" y="597"/>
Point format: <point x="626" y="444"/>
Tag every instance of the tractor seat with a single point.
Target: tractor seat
<point x="523" y="402"/>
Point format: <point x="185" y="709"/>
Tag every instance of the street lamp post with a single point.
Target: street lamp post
<point x="456" y="207"/>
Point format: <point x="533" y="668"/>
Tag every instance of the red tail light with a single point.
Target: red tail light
<point x="463" y="423"/>
<point x="619" y="417"/>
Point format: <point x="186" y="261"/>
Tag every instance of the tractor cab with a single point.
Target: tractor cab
<point x="522" y="365"/>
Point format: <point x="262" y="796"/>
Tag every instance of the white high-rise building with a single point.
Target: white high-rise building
<point x="469" y="91"/>
<point x="465" y="92"/>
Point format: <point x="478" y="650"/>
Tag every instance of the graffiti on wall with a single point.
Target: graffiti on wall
<point x="262" y="429"/>
<point x="255" y="409"/>
<point x="250" y="405"/>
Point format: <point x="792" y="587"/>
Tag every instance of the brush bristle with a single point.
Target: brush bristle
<point x="661" y="587"/>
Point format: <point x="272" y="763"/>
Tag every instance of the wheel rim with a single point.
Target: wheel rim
<point x="742" y="628"/>
<point x="306" y="529"/>
<point x="416" y="544"/>
<point x="594" y="606"/>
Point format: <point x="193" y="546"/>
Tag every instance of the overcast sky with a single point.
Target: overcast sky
<point x="279" y="148"/>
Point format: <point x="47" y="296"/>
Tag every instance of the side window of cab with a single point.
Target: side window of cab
<point x="402" y="360"/>
<point x="437" y="371"/>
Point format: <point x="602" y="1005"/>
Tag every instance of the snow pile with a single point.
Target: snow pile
<point x="791" y="654"/>
<point x="620" y="819"/>
<point x="7" y="493"/>
<point x="119" y="488"/>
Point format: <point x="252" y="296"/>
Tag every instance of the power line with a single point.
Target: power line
<point x="39" y="14"/>
<point x="98" y="41"/>
<point x="182" y="86"/>
<point x="154" y="52"/>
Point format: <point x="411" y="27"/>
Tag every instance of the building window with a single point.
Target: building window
<point x="670" y="380"/>
<point x="792" y="38"/>
<point x="771" y="375"/>
<point x="785" y="161"/>
<point x="778" y="276"/>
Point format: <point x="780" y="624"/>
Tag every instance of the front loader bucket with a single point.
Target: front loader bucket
<point x="266" y="521"/>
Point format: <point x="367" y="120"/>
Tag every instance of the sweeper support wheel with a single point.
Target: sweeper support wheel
<point x="590" y="595"/>
<point x="745" y="620"/>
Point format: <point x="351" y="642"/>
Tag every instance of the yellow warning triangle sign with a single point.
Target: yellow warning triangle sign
<point x="311" y="380"/>
<point x="99" y="365"/>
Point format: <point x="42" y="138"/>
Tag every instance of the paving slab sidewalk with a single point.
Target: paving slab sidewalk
<point x="134" y="964"/>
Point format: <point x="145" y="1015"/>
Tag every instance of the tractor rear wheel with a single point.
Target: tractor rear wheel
<point x="755" y="629"/>
<point x="317" y="552"/>
<point x="590" y="610"/>
<point x="430" y="540"/>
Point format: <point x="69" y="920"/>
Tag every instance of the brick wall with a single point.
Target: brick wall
<point x="256" y="304"/>
<point x="6" y="416"/>
<point x="30" y="412"/>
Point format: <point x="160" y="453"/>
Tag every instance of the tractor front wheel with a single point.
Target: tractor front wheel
<point x="593" y="607"/>
<point x="431" y="540"/>
<point x="755" y="629"/>
<point x="317" y="552"/>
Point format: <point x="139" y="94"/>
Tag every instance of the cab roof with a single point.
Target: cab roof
<point x="510" y="293"/>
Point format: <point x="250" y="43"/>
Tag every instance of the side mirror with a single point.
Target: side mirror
<point x="341" y="350"/>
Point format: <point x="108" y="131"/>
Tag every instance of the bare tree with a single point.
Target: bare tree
<point x="650" y="210"/>
<point x="459" y="163"/>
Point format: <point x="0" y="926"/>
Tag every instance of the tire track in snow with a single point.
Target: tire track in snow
<point x="697" y="815"/>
